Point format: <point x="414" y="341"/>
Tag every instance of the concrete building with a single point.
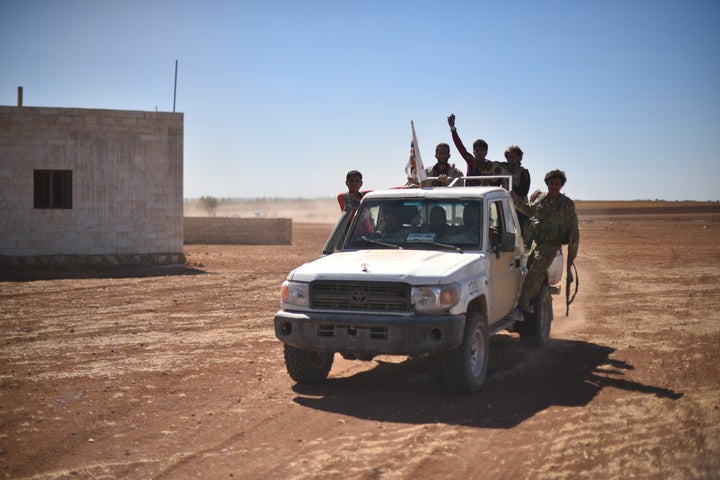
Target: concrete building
<point x="90" y="186"/>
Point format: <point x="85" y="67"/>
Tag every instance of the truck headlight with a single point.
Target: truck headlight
<point x="295" y="294"/>
<point x="435" y="299"/>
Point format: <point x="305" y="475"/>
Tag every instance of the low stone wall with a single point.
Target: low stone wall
<point x="39" y="261"/>
<point x="197" y="230"/>
<point x="238" y="231"/>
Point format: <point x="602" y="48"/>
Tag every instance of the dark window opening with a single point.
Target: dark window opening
<point x="53" y="189"/>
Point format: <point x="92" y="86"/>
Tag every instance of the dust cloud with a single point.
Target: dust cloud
<point x="323" y="210"/>
<point x="574" y="322"/>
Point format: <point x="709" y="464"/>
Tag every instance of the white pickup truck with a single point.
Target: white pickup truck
<point x="422" y="271"/>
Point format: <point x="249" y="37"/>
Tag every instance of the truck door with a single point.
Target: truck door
<point x="504" y="275"/>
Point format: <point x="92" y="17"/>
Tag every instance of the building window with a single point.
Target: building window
<point x="53" y="188"/>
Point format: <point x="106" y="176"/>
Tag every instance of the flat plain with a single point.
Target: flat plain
<point x="175" y="372"/>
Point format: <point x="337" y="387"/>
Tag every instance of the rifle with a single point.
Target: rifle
<point x="569" y="278"/>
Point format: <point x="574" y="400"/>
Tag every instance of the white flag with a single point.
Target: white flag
<point x="416" y="158"/>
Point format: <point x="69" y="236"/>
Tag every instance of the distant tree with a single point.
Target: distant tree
<point x="209" y="204"/>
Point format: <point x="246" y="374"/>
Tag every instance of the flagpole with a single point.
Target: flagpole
<point x="419" y="167"/>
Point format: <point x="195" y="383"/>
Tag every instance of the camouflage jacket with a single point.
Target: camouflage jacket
<point x="553" y="221"/>
<point x="520" y="175"/>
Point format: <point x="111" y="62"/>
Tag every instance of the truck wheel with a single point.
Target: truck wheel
<point x="465" y="367"/>
<point x="306" y="367"/>
<point x="535" y="329"/>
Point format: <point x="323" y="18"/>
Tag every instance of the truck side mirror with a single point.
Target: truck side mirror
<point x="507" y="242"/>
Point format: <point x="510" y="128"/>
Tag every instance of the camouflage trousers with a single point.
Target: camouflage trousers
<point x="541" y="257"/>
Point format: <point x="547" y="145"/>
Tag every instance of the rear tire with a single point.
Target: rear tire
<point x="465" y="367"/>
<point x="535" y="329"/>
<point x="306" y="367"/>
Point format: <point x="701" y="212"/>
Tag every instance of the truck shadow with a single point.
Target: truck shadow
<point x="520" y="384"/>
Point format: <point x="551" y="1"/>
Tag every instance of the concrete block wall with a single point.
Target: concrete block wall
<point x="243" y="231"/>
<point x="127" y="176"/>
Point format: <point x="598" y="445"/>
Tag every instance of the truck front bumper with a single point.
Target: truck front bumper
<point x="369" y="333"/>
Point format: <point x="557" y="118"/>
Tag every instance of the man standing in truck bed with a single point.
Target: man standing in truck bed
<point x="553" y="223"/>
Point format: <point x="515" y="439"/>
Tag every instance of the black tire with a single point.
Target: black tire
<point x="535" y="329"/>
<point x="465" y="367"/>
<point x="306" y="367"/>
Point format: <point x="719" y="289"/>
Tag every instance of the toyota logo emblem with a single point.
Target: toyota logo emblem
<point x="358" y="297"/>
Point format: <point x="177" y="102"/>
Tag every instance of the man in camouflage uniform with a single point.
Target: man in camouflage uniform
<point x="520" y="175"/>
<point x="521" y="186"/>
<point x="553" y="223"/>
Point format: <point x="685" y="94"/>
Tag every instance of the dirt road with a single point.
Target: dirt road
<point x="171" y="373"/>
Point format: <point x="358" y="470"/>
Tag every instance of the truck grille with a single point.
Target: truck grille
<point x="375" y="296"/>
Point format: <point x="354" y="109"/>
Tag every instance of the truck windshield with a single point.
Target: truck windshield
<point x="416" y="223"/>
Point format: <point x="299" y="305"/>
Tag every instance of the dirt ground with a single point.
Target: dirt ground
<point x="175" y="372"/>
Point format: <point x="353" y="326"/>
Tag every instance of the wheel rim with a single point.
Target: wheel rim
<point x="477" y="354"/>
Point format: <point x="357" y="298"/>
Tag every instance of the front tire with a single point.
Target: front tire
<point x="465" y="367"/>
<point x="306" y="367"/>
<point x="535" y="329"/>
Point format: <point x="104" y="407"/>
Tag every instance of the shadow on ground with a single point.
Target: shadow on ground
<point x="31" y="274"/>
<point x="520" y="384"/>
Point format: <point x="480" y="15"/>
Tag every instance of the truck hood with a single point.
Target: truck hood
<point x="417" y="267"/>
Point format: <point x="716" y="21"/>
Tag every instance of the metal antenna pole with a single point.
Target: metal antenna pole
<point x="175" y="89"/>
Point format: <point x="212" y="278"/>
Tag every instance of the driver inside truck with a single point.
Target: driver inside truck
<point x="471" y="221"/>
<point x="438" y="221"/>
<point x="471" y="216"/>
<point x="390" y="226"/>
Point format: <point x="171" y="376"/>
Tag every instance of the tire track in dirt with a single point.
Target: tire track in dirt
<point x="197" y="388"/>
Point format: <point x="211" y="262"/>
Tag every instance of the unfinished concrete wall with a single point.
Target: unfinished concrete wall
<point x="242" y="231"/>
<point x="127" y="176"/>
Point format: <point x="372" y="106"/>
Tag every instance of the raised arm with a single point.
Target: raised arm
<point x="458" y="143"/>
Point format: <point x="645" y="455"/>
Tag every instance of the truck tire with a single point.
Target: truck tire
<point x="465" y="367"/>
<point x="306" y="367"/>
<point x="535" y="329"/>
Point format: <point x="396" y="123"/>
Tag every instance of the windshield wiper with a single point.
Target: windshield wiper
<point x="436" y="244"/>
<point x="378" y="242"/>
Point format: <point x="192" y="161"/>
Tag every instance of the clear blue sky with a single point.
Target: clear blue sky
<point x="282" y="98"/>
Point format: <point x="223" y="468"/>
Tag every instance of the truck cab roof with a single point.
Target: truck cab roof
<point x="438" y="192"/>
